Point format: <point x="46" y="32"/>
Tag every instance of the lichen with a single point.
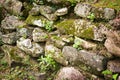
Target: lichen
<point x="67" y="26"/>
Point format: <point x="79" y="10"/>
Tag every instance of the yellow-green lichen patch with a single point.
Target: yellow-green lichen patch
<point x="30" y="19"/>
<point x="115" y="4"/>
<point x="67" y="26"/>
<point x="87" y="33"/>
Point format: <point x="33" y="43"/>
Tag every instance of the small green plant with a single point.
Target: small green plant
<point x="47" y="63"/>
<point x="48" y="25"/>
<point x="108" y="72"/>
<point x="91" y="16"/>
<point x="77" y="45"/>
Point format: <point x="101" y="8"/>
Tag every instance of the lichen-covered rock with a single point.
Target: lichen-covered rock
<point x="11" y="23"/>
<point x="35" y="20"/>
<point x="83" y="10"/>
<point x="61" y="11"/>
<point x="70" y="54"/>
<point x="109" y="13"/>
<point x="39" y="35"/>
<point x="94" y="60"/>
<point x="85" y="44"/>
<point x="114" y="65"/>
<point x="10" y="38"/>
<point x="13" y="6"/>
<point x="85" y="60"/>
<point x="23" y="32"/>
<point x="33" y="49"/>
<point x="81" y="28"/>
<point x="54" y="1"/>
<point x="13" y="54"/>
<point x="55" y="53"/>
<point x="69" y="73"/>
<point x="112" y="43"/>
<point x="48" y="12"/>
<point x="58" y="42"/>
<point x="35" y="10"/>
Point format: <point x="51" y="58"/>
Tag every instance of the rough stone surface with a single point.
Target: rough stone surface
<point x="82" y="28"/>
<point x="13" y="6"/>
<point x="39" y="35"/>
<point x="112" y="43"/>
<point x="70" y="54"/>
<point x="9" y="38"/>
<point x="33" y="49"/>
<point x="83" y="10"/>
<point x="62" y="11"/>
<point x="56" y="53"/>
<point x="11" y="23"/>
<point x="85" y="44"/>
<point x="48" y="12"/>
<point x="92" y="59"/>
<point x="69" y="73"/>
<point x="109" y="13"/>
<point x="114" y="66"/>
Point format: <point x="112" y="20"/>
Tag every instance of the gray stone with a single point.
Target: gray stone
<point x="39" y="35"/>
<point x="48" y="12"/>
<point x="109" y="13"/>
<point x="10" y="38"/>
<point x="70" y="54"/>
<point x="13" y="6"/>
<point x="33" y="49"/>
<point x="61" y="11"/>
<point x="83" y="10"/>
<point x="69" y="73"/>
<point x="55" y="53"/>
<point x="11" y="23"/>
<point x="85" y="44"/>
<point x="35" y="10"/>
<point x="22" y="32"/>
<point x="114" y="66"/>
<point x="92" y="59"/>
<point x="58" y="42"/>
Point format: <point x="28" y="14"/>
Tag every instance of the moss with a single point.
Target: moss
<point x="115" y="4"/>
<point x="67" y="26"/>
<point x="30" y="19"/>
<point x="87" y="33"/>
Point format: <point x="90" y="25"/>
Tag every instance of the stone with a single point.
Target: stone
<point x="35" y="20"/>
<point x="61" y="11"/>
<point x="10" y="38"/>
<point x="48" y="12"/>
<point x="82" y="28"/>
<point x="109" y="13"/>
<point x="58" y="42"/>
<point x="39" y="35"/>
<point x="70" y="54"/>
<point x="116" y="22"/>
<point x="69" y="73"/>
<point x="82" y="58"/>
<point x="92" y="59"/>
<point x="35" y="10"/>
<point x="83" y="10"/>
<point x="55" y="53"/>
<point x="85" y="44"/>
<point x="22" y="32"/>
<point x="33" y="49"/>
<point x="11" y="23"/>
<point x="13" y="6"/>
<point x="55" y="1"/>
<point x="112" y="43"/>
<point x="13" y="54"/>
<point x="114" y="66"/>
